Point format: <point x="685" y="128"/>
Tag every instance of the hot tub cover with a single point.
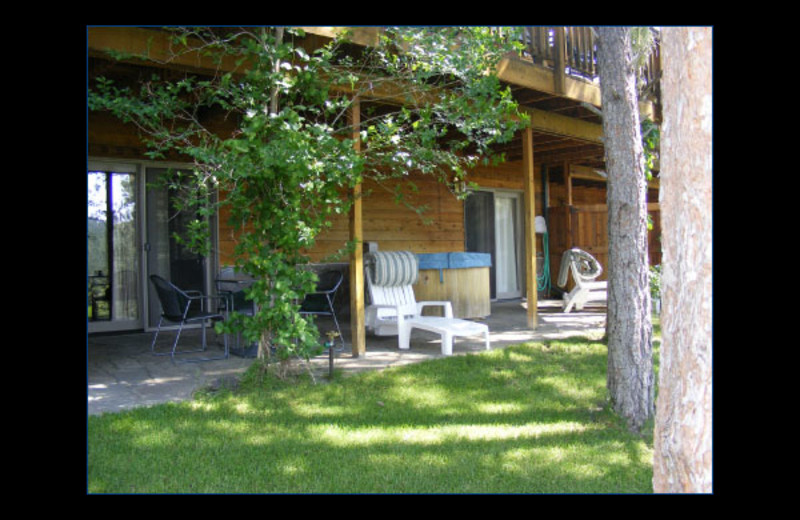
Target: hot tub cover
<point x="454" y="260"/>
<point x="442" y="261"/>
<point x="464" y="260"/>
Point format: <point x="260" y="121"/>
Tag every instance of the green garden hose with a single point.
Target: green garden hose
<point x="543" y="280"/>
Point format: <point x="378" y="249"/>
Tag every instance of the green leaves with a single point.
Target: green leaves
<point x="289" y="162"/>
<point x="455" y="110"/>
<point x="651" y="144"/>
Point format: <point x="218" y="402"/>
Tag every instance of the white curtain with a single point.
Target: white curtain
<point x="506" y="256"/>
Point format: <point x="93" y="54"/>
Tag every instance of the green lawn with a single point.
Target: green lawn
<point x="525" y="419"/>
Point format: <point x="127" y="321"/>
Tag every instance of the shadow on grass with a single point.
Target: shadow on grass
<point x="525" y="419"/>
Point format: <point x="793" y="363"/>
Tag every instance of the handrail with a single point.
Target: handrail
<point x="573" y="51"/>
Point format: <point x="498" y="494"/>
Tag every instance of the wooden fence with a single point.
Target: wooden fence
<point x="586" y="227"/>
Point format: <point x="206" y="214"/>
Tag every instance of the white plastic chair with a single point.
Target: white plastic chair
<point x="585" y="269"/>
<point x="395" y="311"/>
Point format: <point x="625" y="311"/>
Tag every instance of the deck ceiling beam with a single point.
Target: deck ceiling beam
<point x="157" y="45"/>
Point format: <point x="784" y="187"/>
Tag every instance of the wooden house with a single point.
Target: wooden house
<point x="554" y="169"/>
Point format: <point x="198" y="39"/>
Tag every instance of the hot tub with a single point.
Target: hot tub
<point x="461" y="278"/>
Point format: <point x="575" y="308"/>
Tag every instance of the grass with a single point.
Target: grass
<point x="526" y="419"/>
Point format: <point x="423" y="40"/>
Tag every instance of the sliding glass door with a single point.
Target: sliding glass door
<point x="113" y="268"/>
<point x="492" y="221"/>
<point x="166" y="255"/>
<point x="479" y="230"/>
<point x="507" y="238"/>
<point x="132" y="229"/>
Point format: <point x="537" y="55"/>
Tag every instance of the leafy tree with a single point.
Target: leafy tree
<point x="290" y="164"/>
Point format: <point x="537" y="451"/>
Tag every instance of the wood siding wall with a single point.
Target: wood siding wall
<point x="392" y="226"/>
<point x="396" y="227"/>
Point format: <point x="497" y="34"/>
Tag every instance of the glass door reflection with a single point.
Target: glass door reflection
<point x="112" y="252"/>
<point x="167" y="256"/>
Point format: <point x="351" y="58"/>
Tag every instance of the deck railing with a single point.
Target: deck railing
<point x="572" y="51"/>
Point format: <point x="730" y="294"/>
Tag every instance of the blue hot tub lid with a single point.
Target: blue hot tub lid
<point x="464" y="260"/>
<point x="433" y="260"/>
<point x="454" y="260"/>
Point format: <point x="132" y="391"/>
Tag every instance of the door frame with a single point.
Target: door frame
<point x="144" y="291"/>
<point x="519" y="244"/>
<point x="210" y="263"/>
<point x="132" y="167"/>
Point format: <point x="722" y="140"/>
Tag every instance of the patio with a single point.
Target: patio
<point x="122" y="373"/>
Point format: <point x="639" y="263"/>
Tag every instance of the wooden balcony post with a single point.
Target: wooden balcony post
<point x="530" y="227"/>
<point x="559" y="59"/>
<point x="357" y="256"/>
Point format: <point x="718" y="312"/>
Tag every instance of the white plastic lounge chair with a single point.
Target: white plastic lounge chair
<point x="585" y="269"/>
<point x="395" y="311"/>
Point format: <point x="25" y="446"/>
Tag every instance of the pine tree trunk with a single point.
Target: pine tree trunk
<point x="629" y="327"/>
<point x="682" y="439"/>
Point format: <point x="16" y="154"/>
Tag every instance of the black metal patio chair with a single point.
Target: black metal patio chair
<point x="176" y="306"/>
<point x="320" y="302"/>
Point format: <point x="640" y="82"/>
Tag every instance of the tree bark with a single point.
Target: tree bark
<point x="682" y="439"/>
<point x="276" y="67"/>
<point x="629" y="328"/>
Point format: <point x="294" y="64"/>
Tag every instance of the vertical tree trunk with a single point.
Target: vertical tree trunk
<point x="629" y="328"/>
<point x="276" y="67"/>
<point x="683" y="419"/>
<point x="265" y="342"/>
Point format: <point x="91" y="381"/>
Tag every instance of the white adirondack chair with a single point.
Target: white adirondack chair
<point x="395" y="311"/>
<point x="585" y="269"/>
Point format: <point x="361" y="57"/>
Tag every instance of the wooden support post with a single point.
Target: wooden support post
<point x="357" y="326"/>
<point x="559" y="65"/>
<point x="568" y="182"/>
<point x="530" y="227"/>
